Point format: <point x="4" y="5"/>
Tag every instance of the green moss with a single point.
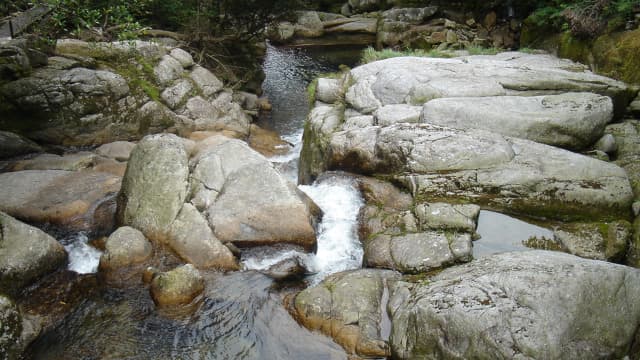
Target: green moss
<point x="478" y="50"/>
<point x="370" y="54"/>
<point x="311" y="91"/>
<point x="151" y="90"/>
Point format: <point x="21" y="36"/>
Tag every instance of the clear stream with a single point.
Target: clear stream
<point x="241" y="314"/>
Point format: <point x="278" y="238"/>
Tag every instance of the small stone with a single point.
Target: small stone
<point x="118" y="150"/>
<point x="125" y="247"/>
<point x="183" y="57"/>
<point x="471" y="22"/>
<point x="450" y="24"/>
<point x="490" y="20"/>
<point x="452" y="38"/>
<point x="606" y="144"/>
<point x="177" y="287"/>
<point x="288" y="269"/>
<point x="636" y="208"/>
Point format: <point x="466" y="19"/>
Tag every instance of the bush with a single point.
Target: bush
<point x="585" y="18"/>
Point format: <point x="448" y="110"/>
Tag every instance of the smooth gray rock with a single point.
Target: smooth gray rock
<point x="328" y="90"/>
<point x="414" y="80"/>
<point x="485" y="168"/>
<point x="534" y="305"/>
<point x="443" y="216"/>
<point x="26" y="254"/>
<point x="13" y="145"/>
<point x="571" y="120"/>
<point x="192" y="239"/>
<point x="219" y="114"/>
<point x="177" y="94"/>
<point x="183" y="57"/>
<point x="155" y="185"/>
<point x="348" y="306"/>
<point x="418" y="252"/>
<point x="125" y="247"/>
<point x="258" y="205"/>
<point x="391" y="114"/>
<point x="168" y="70"/>
<point x="117" y="150"/>
<point x="606" y="144"/>
<point x="208" y="83"/>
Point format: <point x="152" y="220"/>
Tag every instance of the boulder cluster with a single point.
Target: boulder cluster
<point x="403" y="27"/>
<point x="433" y="141"/>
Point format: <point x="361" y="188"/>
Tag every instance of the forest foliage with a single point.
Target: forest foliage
<point x="246" y="19"/>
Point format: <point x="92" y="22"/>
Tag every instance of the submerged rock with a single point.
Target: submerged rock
<point x="533" y="304"/>
<point x="26" y="254"/>
<point x="70" y="162"/>
<point x="177" y="287"/>
<point x="348" y="306"/>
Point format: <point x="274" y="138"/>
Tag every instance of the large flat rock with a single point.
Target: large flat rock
<point x="486" y="168"/>
<point x="571" y="120"/>
<point x="534" y="305"/>
<point x="74" y="200"/>
<point x="415" y="80"/>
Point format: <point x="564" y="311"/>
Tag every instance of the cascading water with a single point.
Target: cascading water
<point x="240" y="315"/>
<point x="83" y="258"/>
<point x="339" y="248"/>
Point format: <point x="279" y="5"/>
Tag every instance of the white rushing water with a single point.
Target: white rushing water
<point x="339" y="248"/>
<point x="83" y="258"/>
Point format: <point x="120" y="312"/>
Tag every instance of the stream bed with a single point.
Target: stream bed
<point x="241" y="314"/>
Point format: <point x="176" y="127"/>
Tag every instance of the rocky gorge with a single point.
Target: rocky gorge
<point x="130" y="156"/>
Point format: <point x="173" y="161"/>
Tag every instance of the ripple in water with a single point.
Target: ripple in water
<point x="83" y="258"/>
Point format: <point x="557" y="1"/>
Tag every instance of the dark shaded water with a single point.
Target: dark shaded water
<point x="240" y="316"/>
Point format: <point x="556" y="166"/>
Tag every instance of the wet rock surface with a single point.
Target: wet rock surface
<point x="75" y="200"/>
<point x="26" y="254"/>
<point x="177" y="287"/>
<point x="348" y="307"/>
<point x="509" y="305"/>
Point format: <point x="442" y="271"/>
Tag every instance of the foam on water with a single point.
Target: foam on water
<point x="83" y="258"/>
<point x="339" y="248"/>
